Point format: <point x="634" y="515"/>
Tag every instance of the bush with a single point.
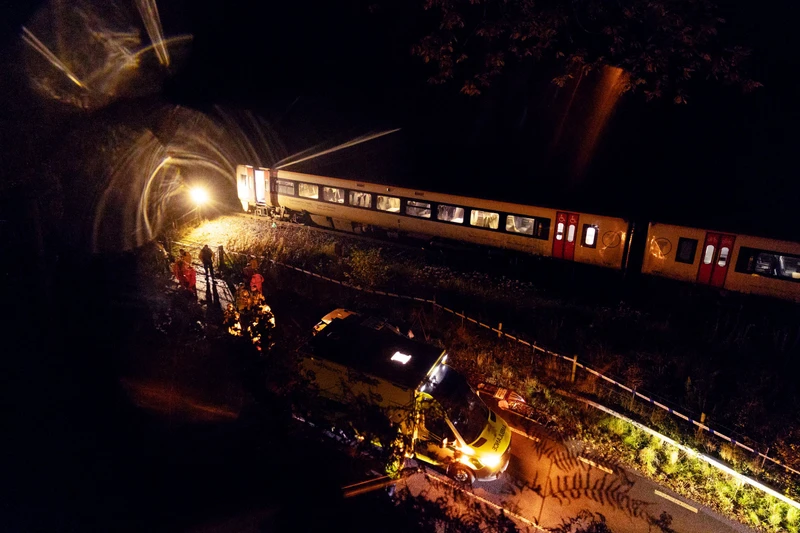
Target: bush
<point x="635" y="439"/>
<point x="792" y="520"/>
<point x="367" y="268"/>
<point x="616" y="426"/>
<point x="776" y="513"/>
<point x="649" y="458"/>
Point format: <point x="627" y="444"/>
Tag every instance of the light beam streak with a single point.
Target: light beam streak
<point x="152" y="22"/>
<point x="163" y="43"/>
<point x="342" y="146"/>
<point x="32" y="41"/>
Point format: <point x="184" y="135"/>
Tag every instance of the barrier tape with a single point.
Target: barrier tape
<point x="535" y="348"/>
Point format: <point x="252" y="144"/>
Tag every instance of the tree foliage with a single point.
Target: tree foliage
<point x="661" y="45"/>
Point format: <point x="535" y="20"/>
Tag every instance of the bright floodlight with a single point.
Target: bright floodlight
<point x="199" y="195"/>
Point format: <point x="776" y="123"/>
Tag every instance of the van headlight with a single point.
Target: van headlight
<point x="491" y="460"/>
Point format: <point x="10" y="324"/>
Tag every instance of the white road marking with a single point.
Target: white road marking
<point x="599" y="467"/>
<point x="676" y="500"/>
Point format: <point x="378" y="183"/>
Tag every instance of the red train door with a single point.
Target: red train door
<point x="715" y="258"/>
<point x="565" y="234"/>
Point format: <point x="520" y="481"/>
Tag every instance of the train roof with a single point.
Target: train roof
<point x="370" y="345"/>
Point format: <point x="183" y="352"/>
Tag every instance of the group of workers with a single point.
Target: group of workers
<point x="184" y="272"/>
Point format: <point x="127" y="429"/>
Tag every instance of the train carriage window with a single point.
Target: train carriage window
<point x="767" y="264"/>
<point x="518" y="224"/>
<point x="571" y="233"/>
<point x="723" y="256"/>
<point x="790" y="267"/>
<point x="484" y="219"/>
<point x="686" y="250"/>
<point x="360" y="199"/>
<point x="284" y="187"/>
<point x="560" y="231"/>
<point x="542" y="228"/>
<point x="388" y="203"/>
<point x="708" y="256"/>
<point x="418" y="209"/>
<point x="333" y="194"/>
<point x="746" y="260"/>
<point x="770" y="264"/>
<point x="589" y="236"/>
<point x="308" y="190"/>
<point x="450" y="213"/>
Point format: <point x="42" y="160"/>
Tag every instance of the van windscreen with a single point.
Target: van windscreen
<point x="464" y="408"/>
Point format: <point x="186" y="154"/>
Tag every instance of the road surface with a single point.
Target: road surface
<point x="549" y="482"/>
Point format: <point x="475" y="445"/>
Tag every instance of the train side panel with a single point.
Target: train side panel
<point x="600" y="240"/>
<point x="767" y="267"/>
<point x="661" y="254"/>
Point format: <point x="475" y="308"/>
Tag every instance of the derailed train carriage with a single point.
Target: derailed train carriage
<point x="732" y="261"/>
<point x="736" y="262"/>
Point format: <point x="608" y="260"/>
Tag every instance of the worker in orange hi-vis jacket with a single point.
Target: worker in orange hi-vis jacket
<point x="256" y="283"/>
<point x="179" y="271"/>
<point x="191" y="278"/>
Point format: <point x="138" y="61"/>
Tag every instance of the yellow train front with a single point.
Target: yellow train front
<point x="731" y="261"/>
<point x="353" y="205"/>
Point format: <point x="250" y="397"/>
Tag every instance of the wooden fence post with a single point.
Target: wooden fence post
<point x="702" y="421"/>
<point x="499" y="330"/>
<point x="574" y="367"/>
<point x="220" y="258"/>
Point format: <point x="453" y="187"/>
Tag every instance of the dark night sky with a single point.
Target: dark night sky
<point x="324" y="74"/>
<point x="321" y="73"/>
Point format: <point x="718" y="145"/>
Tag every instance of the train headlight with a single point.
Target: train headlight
<point x="491" y="460"/>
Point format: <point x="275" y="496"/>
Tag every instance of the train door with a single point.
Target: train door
<point x="716" y="257"/>
<point x="260" y="187"/>
<point x="565" y="234"/>
<point x="272" y="187"/>
<point x="251" y="185"/>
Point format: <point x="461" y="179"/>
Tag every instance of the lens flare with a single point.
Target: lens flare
<point x="146" y="187"/>
<point x="89" y="54"/>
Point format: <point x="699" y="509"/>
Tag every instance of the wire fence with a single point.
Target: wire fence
<point x="566" y="366"/>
